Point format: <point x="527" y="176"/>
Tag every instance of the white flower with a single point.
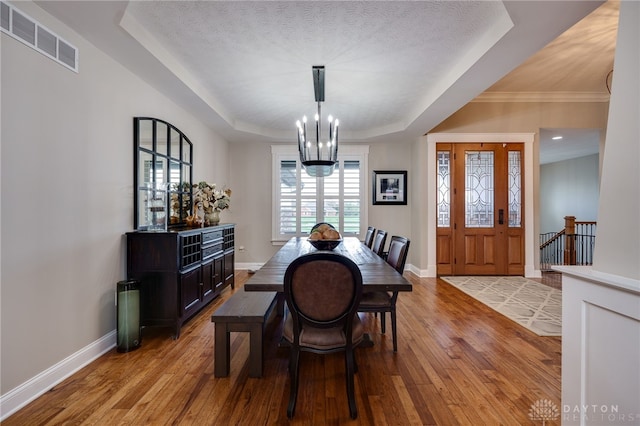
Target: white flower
<point x="209" y="198"/>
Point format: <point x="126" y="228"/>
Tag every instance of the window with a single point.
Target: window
<point x="300" y="201"/>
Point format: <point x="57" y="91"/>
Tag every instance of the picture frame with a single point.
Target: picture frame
<point x="389" y="187"/>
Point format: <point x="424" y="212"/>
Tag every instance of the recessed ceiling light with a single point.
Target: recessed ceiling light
<point x="556" y="138"/>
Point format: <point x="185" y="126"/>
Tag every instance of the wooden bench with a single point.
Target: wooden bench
<point x="245" y="311"/>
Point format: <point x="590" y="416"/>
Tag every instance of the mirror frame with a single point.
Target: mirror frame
<point x="162" y="159"/>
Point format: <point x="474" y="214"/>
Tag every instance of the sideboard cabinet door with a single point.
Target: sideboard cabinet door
<point x="190" y="291"/>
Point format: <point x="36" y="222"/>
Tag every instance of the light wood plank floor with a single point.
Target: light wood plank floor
<point x="458" y="363"/>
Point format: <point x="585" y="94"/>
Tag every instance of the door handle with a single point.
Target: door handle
<point x="501" y="217"/>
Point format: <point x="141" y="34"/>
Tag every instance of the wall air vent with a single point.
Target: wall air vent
<point x="22" y="27"/>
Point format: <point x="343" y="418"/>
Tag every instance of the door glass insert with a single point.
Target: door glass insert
<point x="515" y="192"/>
<point x="444" y="185"/>
<point x="479" y="189"/>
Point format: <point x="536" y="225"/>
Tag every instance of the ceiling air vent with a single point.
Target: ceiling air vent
<point x="25" y="29"/>
<point x="46" y="42"/>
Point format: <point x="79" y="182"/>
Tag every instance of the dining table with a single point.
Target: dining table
<point x="377" y="274"/>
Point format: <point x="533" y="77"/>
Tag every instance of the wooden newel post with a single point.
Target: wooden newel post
<point x="570" y="240"/>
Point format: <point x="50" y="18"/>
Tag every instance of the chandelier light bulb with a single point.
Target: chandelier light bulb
<point x="304" y="118"/>
<point x="330" y="118"/>
<point x="317" y="117"/>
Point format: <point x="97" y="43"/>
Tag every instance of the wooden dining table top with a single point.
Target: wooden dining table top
<point x="377" y="274"/>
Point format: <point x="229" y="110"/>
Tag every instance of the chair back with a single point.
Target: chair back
<point x="398" y="250"/>
<point x="379" y="242"/>
<point x="323" y="290"/>
<point x="368" y="237"/>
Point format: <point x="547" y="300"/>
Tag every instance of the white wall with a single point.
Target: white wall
<point x="618" y="237"/>
<point x="67" y="197"/>
<point x="601" y="304"/>
<point x="568" y="188"/>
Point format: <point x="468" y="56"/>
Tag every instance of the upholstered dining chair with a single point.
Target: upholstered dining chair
<point x="379" y="241"/>
<point x="323" y="291"/>
<point x="383" y="301"/>
<point x="368" y="237"/>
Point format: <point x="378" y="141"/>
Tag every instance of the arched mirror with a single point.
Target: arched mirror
<point x="162" y="175"/>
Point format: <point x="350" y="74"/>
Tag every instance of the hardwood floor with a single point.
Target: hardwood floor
<point x="458" y="363"/>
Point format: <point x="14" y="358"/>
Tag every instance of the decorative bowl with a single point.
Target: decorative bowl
<point x="317" y="225"/>
<point x="325" y="244"/>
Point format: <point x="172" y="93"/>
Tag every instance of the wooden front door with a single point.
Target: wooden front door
<point x="480" y="222"/>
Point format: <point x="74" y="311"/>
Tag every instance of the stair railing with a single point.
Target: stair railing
<point x="571" y="246"/>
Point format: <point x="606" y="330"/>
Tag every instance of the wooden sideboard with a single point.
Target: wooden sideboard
<point x="180" y="271"/>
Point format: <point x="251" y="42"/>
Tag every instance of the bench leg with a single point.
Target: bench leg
<point x="255" y="350"/>
<point x="221" y="352"/>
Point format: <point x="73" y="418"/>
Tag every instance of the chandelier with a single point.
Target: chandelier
<point x="318" y="157"/>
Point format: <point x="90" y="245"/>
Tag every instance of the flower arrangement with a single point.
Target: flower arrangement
<point x="209" y="198"/>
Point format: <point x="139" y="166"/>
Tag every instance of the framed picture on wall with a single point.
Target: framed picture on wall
<point x="390" y="187"/>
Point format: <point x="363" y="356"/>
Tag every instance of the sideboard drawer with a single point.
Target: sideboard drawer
<point x="210" y="251"/>
<point x="211" y="236"/>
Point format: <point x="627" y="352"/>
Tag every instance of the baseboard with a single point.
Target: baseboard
<point x="248" y="266"/>
<point x="531" y="272"/>
<point x="422" y="273"/>
<point x="17" y="398"/>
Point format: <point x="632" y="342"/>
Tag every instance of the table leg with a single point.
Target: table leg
<point x="366" y="341"/>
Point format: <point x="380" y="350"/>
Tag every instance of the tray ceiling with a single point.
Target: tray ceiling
<point x="394" y="70"/>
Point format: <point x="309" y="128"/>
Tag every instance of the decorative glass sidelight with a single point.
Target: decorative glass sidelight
<point x="444" y="187"/>
<point x="515" y="190"/>
<point x="479" y="189"/>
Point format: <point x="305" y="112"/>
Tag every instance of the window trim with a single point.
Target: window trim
<point x="290" y="152"/>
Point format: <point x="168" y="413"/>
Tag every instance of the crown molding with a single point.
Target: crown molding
<point x="542" y="97"/>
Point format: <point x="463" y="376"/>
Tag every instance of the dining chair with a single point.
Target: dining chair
<point x="379" y="242"/>
<point x="323" y="292"/>
<point x="384" y="301"/>
<point x="368" y="237"/>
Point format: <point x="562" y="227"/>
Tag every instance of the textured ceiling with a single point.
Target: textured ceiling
<point x="577" y="61"/>
<point x="256" y="57"/>
<point x="394" y="70"/>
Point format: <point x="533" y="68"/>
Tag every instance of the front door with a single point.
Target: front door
<point x="482" y="197"/>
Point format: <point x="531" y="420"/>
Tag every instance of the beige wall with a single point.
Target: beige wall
<point x="250" y="172"/>
<point x="67" y="148"/>
<point x="66" y="188"/>
<point x="250" y="163"/>
<point x="523" y="117"/>
<point x="251" y="178"/>
<point x="499" y="117"/>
